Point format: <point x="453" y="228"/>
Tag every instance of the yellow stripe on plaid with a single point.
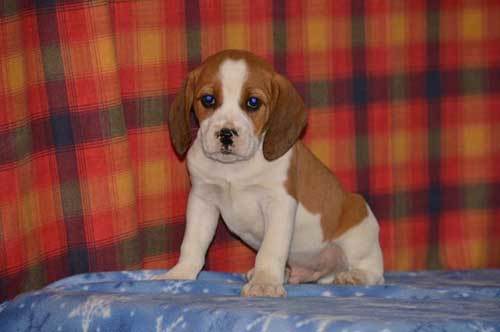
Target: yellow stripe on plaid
<point x="401" y="149"/>
<point x="153" y="177"/>
<point x="124" y="188"/>
<point x="398" y="31"/>
<point x="105" y="54"/>
<point x="236" y="29"/>
<point x="475" y="140"/>
<point x="151" y="46"/>
<point x="472" y="28"/>
<point x="318" y="34"/>
<point x="15" y="70"/>
<point x="236" y="36"/>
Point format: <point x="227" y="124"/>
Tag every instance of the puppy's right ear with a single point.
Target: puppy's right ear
<point x="178" y="116"/>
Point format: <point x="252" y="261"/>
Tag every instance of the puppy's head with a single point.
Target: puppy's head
<point x="239" y="101"/>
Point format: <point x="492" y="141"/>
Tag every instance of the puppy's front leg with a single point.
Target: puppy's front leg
<point x="269" y="271"/>
<point x="201" y="222"/>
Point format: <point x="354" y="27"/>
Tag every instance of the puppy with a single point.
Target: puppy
<point x="247" y="165"/>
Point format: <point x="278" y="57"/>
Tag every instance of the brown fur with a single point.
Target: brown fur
<point x="287" y="120"/>
<point x="282" y="112"/>
<point x="178" y="117"/>
<point x="353" y="212"/>
<point x="314" y="186"/>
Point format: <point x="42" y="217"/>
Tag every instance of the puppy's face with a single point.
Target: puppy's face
<point x="239" y="101"/>
<point x="232" y="105"/>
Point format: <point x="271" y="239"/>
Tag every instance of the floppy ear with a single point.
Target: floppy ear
<point x="178" y="117"/>
<point x="286" y="120"/>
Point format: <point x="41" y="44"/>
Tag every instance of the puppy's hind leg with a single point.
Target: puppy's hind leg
<point x="365" y="264"/>
<point x="368" y="271"/>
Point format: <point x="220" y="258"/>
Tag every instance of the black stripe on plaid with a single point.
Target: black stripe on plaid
<point x="433" y="98"/>
<point x="279" y="36"/>
<point x="360" y="96"/>
<point x="63" y="139"/>
<point x="193" y="38"/>
<point x="410" y="203"/>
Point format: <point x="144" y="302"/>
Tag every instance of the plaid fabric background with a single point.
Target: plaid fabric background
<point x="404" y="100"/>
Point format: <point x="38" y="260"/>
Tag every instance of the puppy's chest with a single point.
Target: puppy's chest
<point x="240" y="207"/>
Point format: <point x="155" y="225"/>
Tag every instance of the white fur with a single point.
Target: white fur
<point x="361" y="247"/>
<point x="249" y="192"/>
<point x="307" y="240"/>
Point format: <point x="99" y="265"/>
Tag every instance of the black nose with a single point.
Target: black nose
<point x="226" y="136"/>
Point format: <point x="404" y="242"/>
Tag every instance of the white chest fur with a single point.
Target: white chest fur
<point x="241" y="191"/>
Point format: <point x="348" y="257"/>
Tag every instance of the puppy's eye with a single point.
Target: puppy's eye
<point x="208" y="101"/>
<point x="253" y="104"/>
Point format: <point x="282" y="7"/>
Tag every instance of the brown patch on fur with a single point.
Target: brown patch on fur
<point x="287" y="119"/>
<point x="178" y="116"/>
<point x="353" y="212"/>
<point x="213" y="88"/>
<point x="314" y="186"/>
<point x="258" y="84"/>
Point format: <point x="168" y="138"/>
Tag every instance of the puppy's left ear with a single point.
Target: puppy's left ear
<point x="178" y="116"/>
<point x="286" y="121"/>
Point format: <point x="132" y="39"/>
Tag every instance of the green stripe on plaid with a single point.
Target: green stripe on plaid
<point x="279" y="36"/>
<point x="145" y="112"/>
<point x="319" y="94"/>
<point x="193" y="38"/>
<point x="52" y="62"/>
<point x="9" y="8"/>
<point x="162" y="238"/>
<point x="130" y="252"/>
<point x="473" y="81"/>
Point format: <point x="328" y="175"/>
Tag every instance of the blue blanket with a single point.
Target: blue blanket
<point x="129" y="301"/>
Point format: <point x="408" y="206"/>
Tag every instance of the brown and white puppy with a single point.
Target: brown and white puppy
<point x="247" y="164"/>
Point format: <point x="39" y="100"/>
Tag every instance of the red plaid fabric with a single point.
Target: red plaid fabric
<point x="404" y="102"/>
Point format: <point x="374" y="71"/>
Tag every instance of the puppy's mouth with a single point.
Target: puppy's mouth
<point x="239" y="148"/>
<point x="226" y="150"/>
<point x="226" y="155"/>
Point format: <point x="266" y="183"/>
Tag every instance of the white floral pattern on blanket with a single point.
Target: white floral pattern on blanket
<point x="130" y="301"/>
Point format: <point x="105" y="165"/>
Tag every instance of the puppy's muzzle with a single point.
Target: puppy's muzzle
<point x="225" y="136"/>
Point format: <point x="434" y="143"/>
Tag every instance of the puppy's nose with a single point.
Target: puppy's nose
<point x="226" y="136"/>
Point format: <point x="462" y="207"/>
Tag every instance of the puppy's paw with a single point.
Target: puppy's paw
<point x="268" y="290"/>
<point x="353" y="277"/>
<point x="249" y="274"/>
<point x="177" y="273"/>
